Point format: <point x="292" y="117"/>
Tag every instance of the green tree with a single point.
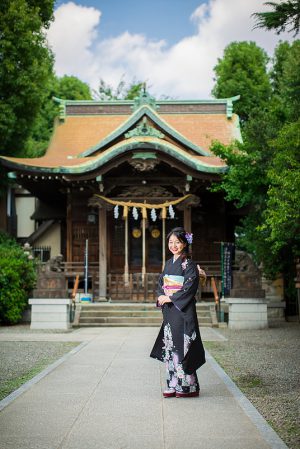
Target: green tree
<point x="26" y="65"/>
<point x="284" y="15"/>
<point x="289" y="83"/>
<point x="17" y="279"/>
<point x="278" y="61"/>
<point x="66" y="87"/>
<point x="263" y="171"/>
<point x="121" y="92"/>
<point x="243" y="71"/>
<point x="282" y="213"/>
<point x="72" y="88"/>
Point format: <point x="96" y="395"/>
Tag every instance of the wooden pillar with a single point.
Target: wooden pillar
<point x="102" y="255"/>
<point x="126" y="268"/>
<point x="187" y="219"/>
<point x="144" y="218"/>
<point x="69" y="228"/>
<point x="163" y="217"/>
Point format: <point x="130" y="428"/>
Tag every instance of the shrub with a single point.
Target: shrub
<point x="17" y="279"/>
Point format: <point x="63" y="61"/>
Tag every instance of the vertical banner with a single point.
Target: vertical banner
<point x="86" y="268"/>
<point x="227" y="256"/>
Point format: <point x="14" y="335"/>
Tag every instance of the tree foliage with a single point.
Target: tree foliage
<point x="72" y="88"/>
<point x="285" y="15"/>
<point x="289" y="85"/>
<point x="264" y="170"/>
<point x="17" y="279"/>
<point x="26" y="64"/>
<point x="242" y="70"/>
<point x="282" y="213"/>
<point x="67" y="88"/>
<point x="121" y="92"/>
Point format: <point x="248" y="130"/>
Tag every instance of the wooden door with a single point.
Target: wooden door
<point x="82" y="231"/>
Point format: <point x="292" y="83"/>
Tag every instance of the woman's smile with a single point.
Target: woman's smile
<point x="176" y="246"/>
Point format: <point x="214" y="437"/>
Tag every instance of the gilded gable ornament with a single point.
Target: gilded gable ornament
<point x="144" y="129"/>
<point x="144" y="165"/>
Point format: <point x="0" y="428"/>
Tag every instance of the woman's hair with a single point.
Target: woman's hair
<point x="180" y="233"/>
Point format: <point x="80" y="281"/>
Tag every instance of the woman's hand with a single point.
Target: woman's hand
<point x="162" y="299"/>
<point x="202" y="275"/>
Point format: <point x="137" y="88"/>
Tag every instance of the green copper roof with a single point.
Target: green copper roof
<point x="155" y="144"/>
<point x="144" y="110"/>
<point x="121" y="148"/>
<point x="146" y="99"/>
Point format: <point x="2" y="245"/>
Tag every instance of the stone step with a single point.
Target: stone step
<point x="133" y="314"/>
<point x="126" y="319"/>
<point x="126" y="324"/>
<point x="141" y="305"/>
<point x="137" y="313"/>
<point x="129" y="318"/>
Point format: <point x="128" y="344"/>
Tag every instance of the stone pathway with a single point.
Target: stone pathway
<point x="108" y="394"/>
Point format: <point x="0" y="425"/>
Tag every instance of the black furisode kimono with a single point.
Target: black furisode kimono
<point x="179" y="343"/>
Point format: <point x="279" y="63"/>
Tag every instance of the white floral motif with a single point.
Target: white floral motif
<point x="168" y="342"/>
<point x="187" y="342"/>
<point x="184" y="264"/>
<point x="180" y="373"/>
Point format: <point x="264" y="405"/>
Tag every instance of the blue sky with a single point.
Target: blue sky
<point x="172" y="45"/>
<point x="157" y="19"/>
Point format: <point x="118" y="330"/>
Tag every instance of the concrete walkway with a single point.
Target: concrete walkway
<point x="108" y="395"/>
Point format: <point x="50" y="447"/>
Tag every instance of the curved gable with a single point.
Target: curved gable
<point x="144" y="111"/>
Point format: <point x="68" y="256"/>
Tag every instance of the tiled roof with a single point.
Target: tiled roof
<point x="77" y="134"/>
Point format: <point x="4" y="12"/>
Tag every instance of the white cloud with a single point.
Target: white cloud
<point x="71" y="37"/>
<point x="184" y="70"/>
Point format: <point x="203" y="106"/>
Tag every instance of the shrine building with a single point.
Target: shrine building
<point x="116" y="178"/>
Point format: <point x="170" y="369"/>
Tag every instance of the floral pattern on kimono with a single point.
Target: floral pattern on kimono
<point x="176" y="377"/>
<point x="179" y="343"/>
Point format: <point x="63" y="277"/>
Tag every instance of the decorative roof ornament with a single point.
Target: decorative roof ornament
<point x="62" y="108"/>
<point x="144" y="129"/>
<point x="229" y="105"/>
<point x="144" y="99"/>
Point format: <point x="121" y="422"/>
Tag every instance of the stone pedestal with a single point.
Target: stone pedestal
<point x="275" y="298"/>
<point x="247" y="313"/>
<point x="51" y="285"/>
<point x="50" y="313"/>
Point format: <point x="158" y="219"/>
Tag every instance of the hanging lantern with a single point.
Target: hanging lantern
<point x="171" y="211"/>
<point x="153" y="215"/>
<point x="116" y="211"/>
<point x="135" y="213"/>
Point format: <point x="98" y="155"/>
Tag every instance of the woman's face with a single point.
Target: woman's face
<point x="176" y="246"/>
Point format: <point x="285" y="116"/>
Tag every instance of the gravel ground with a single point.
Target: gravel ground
<point x="20" y="361"/>
<point x="25" y="328"/>
<point x="265" y="365"/>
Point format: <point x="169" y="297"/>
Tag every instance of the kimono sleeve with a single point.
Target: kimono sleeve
<point x="159" y="290"/>
<point x="189" y="289"/>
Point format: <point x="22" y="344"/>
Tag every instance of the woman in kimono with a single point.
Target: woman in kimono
<point x="179" y="343"/>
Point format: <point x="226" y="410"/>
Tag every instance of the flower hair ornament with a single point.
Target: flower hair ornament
<point x="189" y="238"/>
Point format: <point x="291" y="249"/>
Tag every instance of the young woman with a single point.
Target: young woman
<point x="179" y="343"/>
